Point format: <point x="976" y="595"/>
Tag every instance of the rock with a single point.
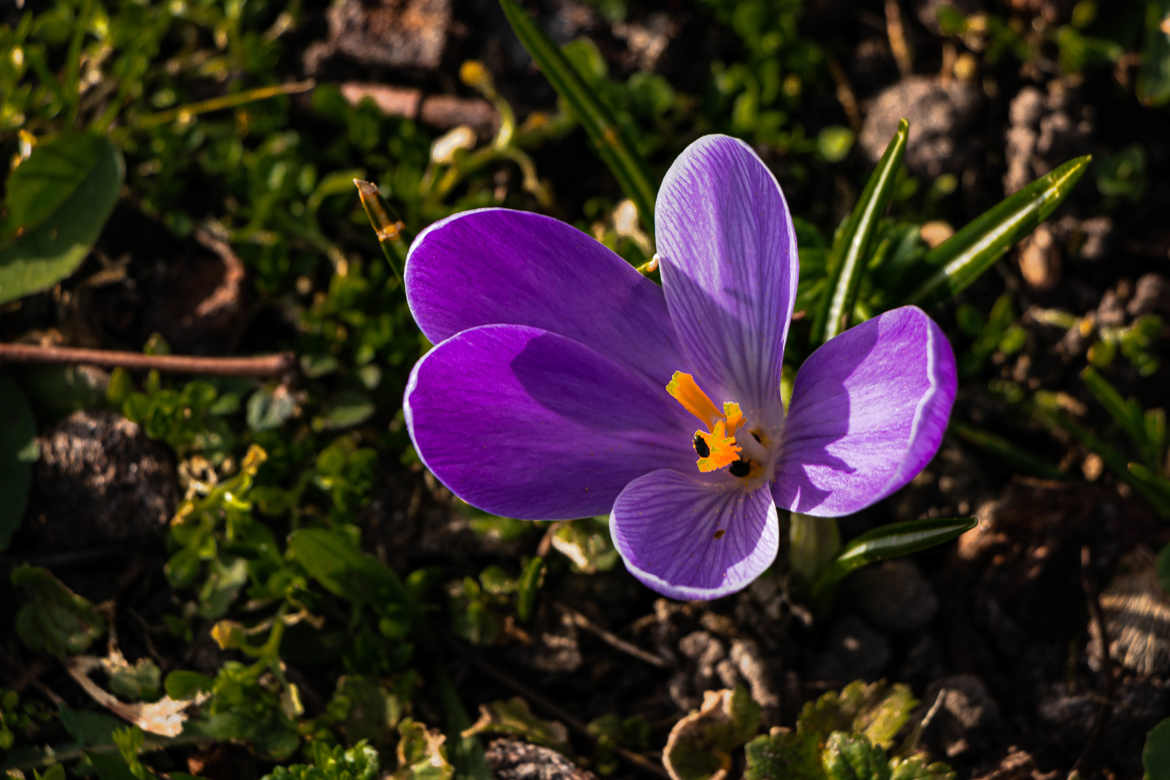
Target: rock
<point x="966" y="716"/>
<point x="1045" y="129"/>
<point x="511" y="759"/>
<point x="893" y="595"/>
<point x="99" y="480"/>
<point x="1150" y="296"/>
<point x="1039" y="259"/>
<point x="940" y="114"/>
<point x="389" y="33"/>
<point x="1137" y="618"/>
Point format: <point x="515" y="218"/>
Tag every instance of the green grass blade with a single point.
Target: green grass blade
<point x="893" y="540"/>
<point x="613" y="145"/>
<point x="1125" y="413"/>
<point x="853" y="245"/>
<point x="1005" y="449"/>
<point x="971" y="251"/>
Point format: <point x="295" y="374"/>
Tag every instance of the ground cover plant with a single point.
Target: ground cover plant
<point x="281" y="283"/>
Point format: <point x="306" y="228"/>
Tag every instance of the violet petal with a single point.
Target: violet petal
<point x="868" y="412"/>
<point x="501" y="266"/>
<point x="690" y="538"/>
<point x="729" y="269"/>
<point x="526" y="423"/>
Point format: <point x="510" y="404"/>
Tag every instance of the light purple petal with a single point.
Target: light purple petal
<point x="530" y="424"/>
<point x="688" y="538"/>
<point x="501" y="266"/>
<point x="868" y="412"/>
<point x="729" y="268"/>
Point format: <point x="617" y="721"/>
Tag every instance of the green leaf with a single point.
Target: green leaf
<point x="892" y="541"/>
<point x="875" y="710"/>
<point x="528" y="587"/>
<point x="332" y="560"/>
<point x="421" y="754"/>
<point x="610" y="140"/>
<point x="853" y="757"/>
<point x="182" y="684"/>
<point x="1163" y="568"/>
<point x="1125" y="412"/>
<point x="18" y="452"/>
<point x="136" y="682"/>
<point x="785" y="754"/>
<point x="916" y="768"/>
<point x="1153" y="80"/>
<point x="56" y="211"/>
<point x="513" y="717"/>
<point x="854" y="242"/>
<point x="701" y="743"/>
<point x="1156" y="753"/>
<point x="54" y="619"/>
<point x="963" y="257"/>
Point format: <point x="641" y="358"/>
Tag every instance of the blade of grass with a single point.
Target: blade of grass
<point x="1126" y="413"/>
<point x="963" y="257"/>
<point x="1003" y="448"/>
<point x="853" y="244"/>
<point x="613" y="145"/>
<point x="1117" y="463"/>
<point x="893" y="540"/>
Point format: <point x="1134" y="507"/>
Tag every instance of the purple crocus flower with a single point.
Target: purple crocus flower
<point x="565" y="384"/>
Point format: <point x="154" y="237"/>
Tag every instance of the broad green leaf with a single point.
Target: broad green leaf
<point x="421" y="753"/>
<point x="853" y="757"/>
<point x="892" y="541"/>
<point x="963" y="257"/>
<point x="183" y="684"/>
<point x="875" y="710"/>
<point x="616" y="150"/>
<point x="916" y="768"/>
<point x="333" y="561"/>
<point x="513" y="717"/>
<point x="52" y="618"/>
<point x="701" y="743"/>
<point x="18" y="452"/>
<point x="139" y="681"/>
<point x="853" y="244"/>
<point x="1153" y="80"/>
<point x="60" y="208"/>
<point x="1156" y="753"/>
<point x="785" y="754"/>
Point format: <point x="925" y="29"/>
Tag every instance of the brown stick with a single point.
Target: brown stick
<point x="259" y="365"/>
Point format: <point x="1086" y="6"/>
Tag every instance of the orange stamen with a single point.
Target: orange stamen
<point x="723" y="449"/>
<point x="686" y="392"/>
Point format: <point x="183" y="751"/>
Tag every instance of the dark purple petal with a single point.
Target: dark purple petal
<point x="868" y="412"/>
<point x="526" y="423"/>
<point x="500" y="266"/>
<point x="690" y="538"/>
<point x="729" y="266"/>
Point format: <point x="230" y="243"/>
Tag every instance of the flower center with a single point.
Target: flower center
<point x="718" y="447"/>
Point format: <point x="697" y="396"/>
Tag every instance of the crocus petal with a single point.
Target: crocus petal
<point x="526" y="423"/>
<point x="691" y="539"/>
<point x="501" y="266"/>
<point x="729" y="268"/>
<point x="868" y="412"/>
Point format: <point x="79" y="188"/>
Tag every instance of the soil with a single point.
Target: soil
<point x="1042" y="635"/>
